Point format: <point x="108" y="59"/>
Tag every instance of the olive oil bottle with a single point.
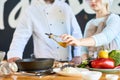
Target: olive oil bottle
<point x="57" y="39"/>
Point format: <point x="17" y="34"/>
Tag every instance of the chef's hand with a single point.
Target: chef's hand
<point x="70" y="40"/>
<point x="84" y="56"/>
<point x="13" y="59"/>
<point x="76" y="60"/>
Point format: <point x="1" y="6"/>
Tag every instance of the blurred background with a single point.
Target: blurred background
<point x="11" y="10"/>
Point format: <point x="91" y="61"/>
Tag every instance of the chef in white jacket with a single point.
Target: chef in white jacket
<point x="48" y="16"/>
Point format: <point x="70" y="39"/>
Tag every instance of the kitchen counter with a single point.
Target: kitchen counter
<point x="48" y="77"/>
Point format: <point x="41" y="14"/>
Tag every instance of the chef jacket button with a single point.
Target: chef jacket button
<point x="57" y="47"/>
<point x="60" y="11"/>
<point x="60" y="59"/>
<point x="67" y="58"/>
<point x="47" y="13"/>
<point x="62" y="22"/>
<point x="50" y="24"/>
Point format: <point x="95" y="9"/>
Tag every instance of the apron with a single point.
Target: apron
<point x="92" y="30"/>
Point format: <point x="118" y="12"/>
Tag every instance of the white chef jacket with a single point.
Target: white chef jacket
<point x="56" y="18"/>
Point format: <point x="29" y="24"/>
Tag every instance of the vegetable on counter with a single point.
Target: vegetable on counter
<point x="105" y="60"/>
<point x="84" y="64"/>
<point x="103" y="54"/>
<point x="115" y="55"/>
<point x="103" y="63"/>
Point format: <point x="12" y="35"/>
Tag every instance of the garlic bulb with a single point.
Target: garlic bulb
<point x="8" y="68"/>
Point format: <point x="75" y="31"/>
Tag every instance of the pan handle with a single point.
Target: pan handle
<point x="32" y="56"/>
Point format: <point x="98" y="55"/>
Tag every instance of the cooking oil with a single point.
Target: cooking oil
<point x="63" y="44"/>
<point x="57" y="39"/>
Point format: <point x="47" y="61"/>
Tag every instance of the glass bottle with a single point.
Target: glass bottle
<point x="57" y="39"/>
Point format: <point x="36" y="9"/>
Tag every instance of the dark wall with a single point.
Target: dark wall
<point x="6" y="35"/>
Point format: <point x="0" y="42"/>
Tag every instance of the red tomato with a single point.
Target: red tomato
<point x="104" y="63"/>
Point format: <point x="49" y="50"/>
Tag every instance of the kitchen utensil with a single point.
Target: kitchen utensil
<point x="33" y="65"/>
<point x="34" y="73"/>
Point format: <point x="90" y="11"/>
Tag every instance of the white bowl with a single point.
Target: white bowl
<point x="111" y="77"/>
<point x="91" y="75"/>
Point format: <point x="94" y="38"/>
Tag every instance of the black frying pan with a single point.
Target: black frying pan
<point x="35" y="64"/>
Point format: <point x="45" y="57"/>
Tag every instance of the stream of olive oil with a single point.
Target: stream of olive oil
<point x="63" y="44"/>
